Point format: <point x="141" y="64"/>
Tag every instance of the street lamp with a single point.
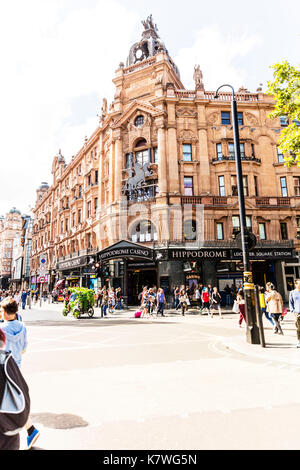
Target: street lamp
<point x="248" y="286"/>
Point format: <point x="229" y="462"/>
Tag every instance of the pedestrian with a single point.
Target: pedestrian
<point x="16" y="342"/>
<point x="111" y="299"/>
<point x="274" y="306"/>
<point x="151" y="301"/>
<point x="144" y="304"/>
<point x="104" y="303"/>
<point x="294" y="302"/>
<point x="118" y="305"/>
<point x="161" y="301"/>
<point x="227" y="291"/>
<point x="183" y="298"/>
<point x="23" y="298"/>
<point x="262" y="304"/>
<point x="17" y="297"/>
<point x="198" y="293"/>
<point x="241" y="303"/>
<point x="215" y="303"/>
<point x="176" y="297"/>
<point x="205" y="300"/>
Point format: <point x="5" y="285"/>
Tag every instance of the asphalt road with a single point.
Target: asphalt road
<point x="177" y="383"/>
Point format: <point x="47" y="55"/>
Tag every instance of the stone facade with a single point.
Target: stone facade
<point x="10" y="229"/>
<point x="160" y="171"/>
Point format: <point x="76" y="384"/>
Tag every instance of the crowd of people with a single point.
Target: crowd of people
<point x="208" y="299"/>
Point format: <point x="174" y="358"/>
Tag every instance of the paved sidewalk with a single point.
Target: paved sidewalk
<point x="280" y="348"/>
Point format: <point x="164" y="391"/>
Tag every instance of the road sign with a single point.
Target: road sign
<point x="42" y="280"/>
<point x="250" y="240"/>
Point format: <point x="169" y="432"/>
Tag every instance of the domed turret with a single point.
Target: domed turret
<point x="149" y="46"/>
<point x="14" y="211"/>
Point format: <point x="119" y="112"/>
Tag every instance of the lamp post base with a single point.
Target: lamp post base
<point x="252" y="334"/>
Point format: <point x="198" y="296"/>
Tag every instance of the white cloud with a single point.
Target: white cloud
<point x="53" y="56"/>
<point x="218" y="53"/>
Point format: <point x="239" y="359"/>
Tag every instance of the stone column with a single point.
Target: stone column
<point x="204" y="180"/>
<point x="101" y="170"/>
<point x="111" y="172"/>
<point x="118" y="163"/>
<point x="172" y="160"/>
<point x="162" y="156"/>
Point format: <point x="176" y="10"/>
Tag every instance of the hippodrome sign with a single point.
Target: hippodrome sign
<point x="126" y="250"/>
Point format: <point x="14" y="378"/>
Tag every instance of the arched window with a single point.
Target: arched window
<point x="143" y="231"/>
<point x="190" y="230"/>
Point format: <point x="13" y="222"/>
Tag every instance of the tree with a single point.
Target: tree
<point x="285" y="88"/>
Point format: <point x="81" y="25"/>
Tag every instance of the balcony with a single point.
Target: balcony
<point x="206" y="200"/>
<point x="223" y="96"/>
<point x="226" y="244"/>
<point x="225" y="158"/>
<point x="273" y="201"/>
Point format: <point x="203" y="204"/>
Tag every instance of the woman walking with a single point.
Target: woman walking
<point x="183" y="299"/>
<point x="274" y="306"/>
<point x="262" y="304"/>
<point x="241" y="303"/>
<point x="215" y="303"/>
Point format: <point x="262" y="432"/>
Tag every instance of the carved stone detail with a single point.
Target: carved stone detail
<point x="253" y="121"/>
<point x="187" y="135"/>
<point x="213" y="118"/>
<point x="186" y="112"/>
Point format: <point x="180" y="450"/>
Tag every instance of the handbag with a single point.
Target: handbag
<point x="284" y="312"/>
<point x="236" y="307"/>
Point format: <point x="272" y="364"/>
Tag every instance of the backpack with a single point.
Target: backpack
<point x="15" y="400"/>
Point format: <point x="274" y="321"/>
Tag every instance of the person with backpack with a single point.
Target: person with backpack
<point x="14" y="400"/>
<point x="215" y="303"/>
<point x="294" y="302"/>
<point x="205" y="300"/>
<point x="16" y="343"/>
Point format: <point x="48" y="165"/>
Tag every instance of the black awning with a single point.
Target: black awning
<point x="126" y="250"/>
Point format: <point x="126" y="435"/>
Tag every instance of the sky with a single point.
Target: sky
<point x="58" y="59"/>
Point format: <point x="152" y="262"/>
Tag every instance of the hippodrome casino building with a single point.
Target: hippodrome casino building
<point x="151" y="197"/>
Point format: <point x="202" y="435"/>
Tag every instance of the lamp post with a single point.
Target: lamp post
<point x="248" y="286"/>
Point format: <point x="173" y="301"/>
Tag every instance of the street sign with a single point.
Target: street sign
<point x="250" y="239"/>
<point x="42" y="280"/>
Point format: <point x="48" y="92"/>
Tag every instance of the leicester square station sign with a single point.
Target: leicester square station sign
<point x="230" y="254"/>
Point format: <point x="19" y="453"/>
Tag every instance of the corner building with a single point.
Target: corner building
<point x="152" y="195"/>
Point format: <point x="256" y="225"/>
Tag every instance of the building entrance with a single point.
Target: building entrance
<point x="137" y="280"/>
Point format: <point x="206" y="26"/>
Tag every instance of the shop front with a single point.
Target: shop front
<point x="72" y="271"/>
<point x="222" y="267"/>
<point x="129" y="266"/>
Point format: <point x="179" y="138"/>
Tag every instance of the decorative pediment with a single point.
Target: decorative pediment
<point x="132" y="110"/>
<point x="186" y="135"/>
<point x="248" y="205"/>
